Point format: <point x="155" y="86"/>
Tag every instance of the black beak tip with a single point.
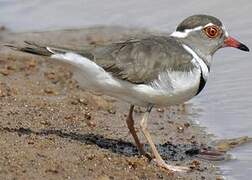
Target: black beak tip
<point x="243" y="47"/>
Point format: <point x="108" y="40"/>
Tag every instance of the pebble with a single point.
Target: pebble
<point x="83" y="101"/>
<point x="91" y="124"/>
<point x="160" y="110"/>
<point x="180" y="129"/>
<point x="4" y="72"/>
<point x="49" y="91"/>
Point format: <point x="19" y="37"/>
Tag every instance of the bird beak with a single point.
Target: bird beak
<point x="231" y="42"/>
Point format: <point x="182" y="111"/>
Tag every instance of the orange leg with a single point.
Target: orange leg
<point x="158" y="159"/>
<point x="130" y="124"/>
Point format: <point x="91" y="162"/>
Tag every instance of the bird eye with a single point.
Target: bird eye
<point x="212" y="31"/>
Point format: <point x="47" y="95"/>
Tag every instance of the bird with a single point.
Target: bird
<point x="152" y="71"/>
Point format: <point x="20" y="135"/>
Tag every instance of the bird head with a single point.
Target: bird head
<point x="205" y="35"/>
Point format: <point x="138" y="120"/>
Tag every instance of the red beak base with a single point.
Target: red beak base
<point x="231" y="42"/>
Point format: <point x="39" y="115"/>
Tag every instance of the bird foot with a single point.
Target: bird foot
<point x="161" y="163"/>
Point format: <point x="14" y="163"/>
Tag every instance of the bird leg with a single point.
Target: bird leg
<point x="158" y="159"/>
<point x="130" y="124"/>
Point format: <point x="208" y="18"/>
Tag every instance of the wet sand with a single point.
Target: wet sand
<point x="51" y="129"/>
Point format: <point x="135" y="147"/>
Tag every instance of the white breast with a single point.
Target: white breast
<point x="172" y="87"/>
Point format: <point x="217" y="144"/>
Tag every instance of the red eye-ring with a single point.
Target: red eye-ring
<point x="212" y="31"/>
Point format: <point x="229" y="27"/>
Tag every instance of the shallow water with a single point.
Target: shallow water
<point x="224" y="106"/>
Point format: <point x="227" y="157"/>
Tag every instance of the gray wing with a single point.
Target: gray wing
<point x="142" y="60"/>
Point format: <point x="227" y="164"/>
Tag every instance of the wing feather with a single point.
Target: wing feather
<point x="142" y="60"/>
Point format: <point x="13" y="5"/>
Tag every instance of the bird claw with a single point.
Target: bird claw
<point x="161" y="163"/>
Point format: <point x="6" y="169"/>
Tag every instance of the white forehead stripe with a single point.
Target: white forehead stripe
<point x="185" y="33"/>
<point x="209" y="24"/>
<point x="198" y="61"/>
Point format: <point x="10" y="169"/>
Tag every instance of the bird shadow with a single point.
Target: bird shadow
<point x="167" y="150"/>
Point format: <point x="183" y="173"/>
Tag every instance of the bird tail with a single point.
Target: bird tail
<point x="37" y="49"/>
<point x="34" y="48"/>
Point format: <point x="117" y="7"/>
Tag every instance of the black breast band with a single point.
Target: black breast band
<point x="201" y="84"/>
